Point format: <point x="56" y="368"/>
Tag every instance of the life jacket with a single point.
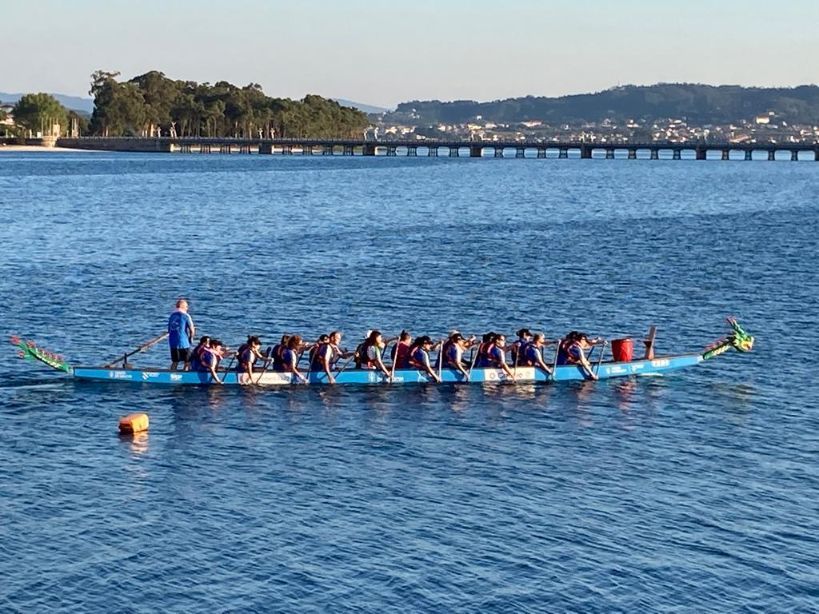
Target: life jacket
<point x="196" y="361"/>
<point x="315" y="354"/>
<point x="245" y="356"/>
<point x="362" y="360"/>
<point x="400" y="355"/>
<point x="518" y="351"/>
<point x="486" y="356"/>
<point x="523" y="358"/>
<point x="276" y="357"/>
<point x="206" y="356"/>
<point x="415" y="358"/>
<point x="565" y="356"/>
<point x="450" y="355"/>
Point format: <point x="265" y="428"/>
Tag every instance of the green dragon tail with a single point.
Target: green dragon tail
<point x="28" y="350"/>
<point x="738" y="339"/>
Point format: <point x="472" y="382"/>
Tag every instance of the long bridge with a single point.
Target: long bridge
<point x="452" y="148"/>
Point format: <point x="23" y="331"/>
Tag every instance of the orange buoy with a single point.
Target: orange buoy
<point x="133" y="423"/>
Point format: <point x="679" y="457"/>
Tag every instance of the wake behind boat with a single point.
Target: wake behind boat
<point x="737" y="340"/>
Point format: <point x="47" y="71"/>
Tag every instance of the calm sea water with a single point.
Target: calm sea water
<point x="694" y="492"/>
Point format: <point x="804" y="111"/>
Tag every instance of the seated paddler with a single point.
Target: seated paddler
<point x="369" y="354"/>
<point x="532" y="355"/>
<point x="573" y="350"/>
<point x="419" y="357"/>
<point x="290" y="357"/>
<point x="322" y="356"/>
<point x="453" y="354"/>
<point x="210" y="357"/>
<point x="492" y="354"/>
<point x="246" y="358"/>
<point x="518" y="346"/>
<point x="195" y="355"/>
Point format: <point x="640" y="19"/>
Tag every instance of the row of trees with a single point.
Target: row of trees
<point x="42" y="114"/>
<point x="152" y="104"/>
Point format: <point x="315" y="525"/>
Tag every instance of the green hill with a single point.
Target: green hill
<point x="699" y="104"/>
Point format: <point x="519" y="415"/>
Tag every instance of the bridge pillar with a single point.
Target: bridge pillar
<point x="794" y="155"/>
<point x="453" y="152"/>
<point x="307" y="150"/>
<point x="609" y="153"/>
<point x="541" y="152"/>
<point x="676" y="154"/>
<point x="701" y="152"/>
<point x="265" y="148"/>
<point x="726" y="154"/>
<point x="186" y="148"/>
<point x="655" y="153"/>
<point x="327" y="150"/>
<point x="287" y="150"/>
<point x="475" y="151"/>
<point x="224" y="149"/>
<point x="412" y="151"/>
<point x="585" y="152"/>
<point x="369" y="149"/>
<point x="520" y="152"/>
<point x="244" y="149"/>
<point x="391" y="150"/>
<point x="498" y="151"/>
<point x="348" y="150"/>
<point x="749" y="154"/>
<point x="563" y="153"/>
<point x="632" y="153"/>
<point x="771" y="155"/>
<point x="204" y="149"/>
<point x="432" y="151"/>
<point x="816" y="154"/>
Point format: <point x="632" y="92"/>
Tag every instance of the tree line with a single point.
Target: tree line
<point x="152" y="104"/>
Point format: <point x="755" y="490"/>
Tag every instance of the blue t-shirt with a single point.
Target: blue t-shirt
<point x="179" y="326"/>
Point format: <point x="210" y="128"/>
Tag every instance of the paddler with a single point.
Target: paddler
<point x="419" y="357"/>
<point x="401" y="350"/>
<point x="246" y="357"/>
<point x="195" y="355"/>
<point x="210" y="357"/>
<point x="573" y="350"/>
<point x="492" y="354"/>
<point x="453" y="353"/>
<point x="533" y="354"/>
<point x="369" y="354"/>
<point x="321" y="356"/>
<point x="290" y="357"/>
<point x="518" y="347"/>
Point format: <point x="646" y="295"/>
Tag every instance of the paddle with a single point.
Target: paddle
<point x="148" y="344"/>
<point x="267" y="362"/>
<point x="600" y="358"/>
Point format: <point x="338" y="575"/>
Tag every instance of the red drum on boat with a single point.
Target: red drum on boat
<point x="622" y="349"/>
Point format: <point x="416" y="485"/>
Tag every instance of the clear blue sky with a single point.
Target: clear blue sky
<point x="387" y="51"/>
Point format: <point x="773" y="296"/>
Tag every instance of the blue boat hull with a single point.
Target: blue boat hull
<point x="605" y="370"/>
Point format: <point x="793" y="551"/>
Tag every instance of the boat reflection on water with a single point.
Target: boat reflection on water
<point x="138" y="442"/>
<point x="625" y="393"/>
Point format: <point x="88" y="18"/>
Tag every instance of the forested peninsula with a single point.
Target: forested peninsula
<point x="152" y="104"/>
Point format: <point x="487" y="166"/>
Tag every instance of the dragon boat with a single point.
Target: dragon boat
<point x="737" y="340"/>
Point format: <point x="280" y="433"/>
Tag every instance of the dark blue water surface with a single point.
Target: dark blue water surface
<point x="694" y="492"/>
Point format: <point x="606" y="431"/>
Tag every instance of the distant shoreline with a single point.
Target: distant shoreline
<point x="40" y="148"/>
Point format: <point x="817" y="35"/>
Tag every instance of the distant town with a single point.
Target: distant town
<point x="763" y="128"/>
